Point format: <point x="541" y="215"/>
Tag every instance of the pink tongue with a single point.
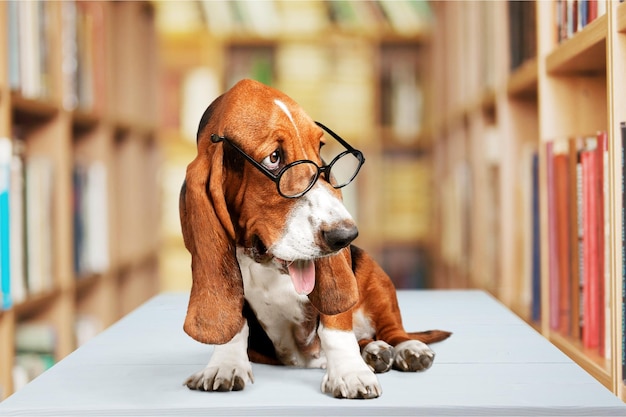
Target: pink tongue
<point x="303" y="276"/>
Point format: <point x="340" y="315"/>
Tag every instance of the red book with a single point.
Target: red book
<point x="574" y="211"/>
<point x="592" y="10"/>
<point x="562" y="201"/>
<point x="591" y="250"/>
<point x="603" y="230"/>
<point x="553" y="271"/>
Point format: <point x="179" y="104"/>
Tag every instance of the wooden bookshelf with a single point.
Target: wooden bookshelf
<point x="108" y="122"/>
<point x="563" y="90"/>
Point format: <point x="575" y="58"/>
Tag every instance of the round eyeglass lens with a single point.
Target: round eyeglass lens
<point x="344" y="169"/>
<point x="297" y="178"/>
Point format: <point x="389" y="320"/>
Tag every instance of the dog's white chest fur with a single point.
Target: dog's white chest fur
<point x="281" y="311"/>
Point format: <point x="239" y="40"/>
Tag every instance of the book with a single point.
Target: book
<point x="35" y="338"/>
<point x="605" y="233"/>
<point x="197" y="85"/>
<point x="18" y="255"/>
<point x="13" y="25"/>
<point x="406" y="199"/>
<point x="83" y="54"/>
<point x="575" y="234"/>
<point x="35" y="345"/>
<point x="560" y="291"/>
<point x="5" y="223"/>
<point x="522" y="32"/>
<point x="553" y="275"/>
<point x="536" y="242"/>
<point x="90" y="214"/>
<point x="39" y="204"/>
<point x="32" y="49"/>
<point x="592" y="244"/>
<point x="402" y="97"/>
<point x="581" y="247"/>
<point x="623" y="216"/>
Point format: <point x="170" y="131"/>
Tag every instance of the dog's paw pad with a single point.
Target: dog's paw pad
<point x="357" y="385"/>
<point x="219" y="379"/>
<point x="378" y="355"/>
<point x="413" y="356"/>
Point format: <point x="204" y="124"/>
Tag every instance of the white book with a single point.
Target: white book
<point x="96" y="245"/>
<point x="39" y="224"/>
<point x="30" y="49"/>
<point x="18" y="270"/>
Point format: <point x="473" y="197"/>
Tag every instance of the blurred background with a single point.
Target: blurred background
<point x="358" y="67"/>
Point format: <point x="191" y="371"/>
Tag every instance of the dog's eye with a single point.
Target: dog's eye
<point x="272" y="161"/>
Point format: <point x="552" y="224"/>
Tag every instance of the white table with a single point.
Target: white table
<point x="494" y="364"/>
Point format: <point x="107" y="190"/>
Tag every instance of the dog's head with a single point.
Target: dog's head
<point x="238" y="192"/>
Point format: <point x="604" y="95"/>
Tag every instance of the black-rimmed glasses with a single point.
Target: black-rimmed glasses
<point x="297" y="178"/>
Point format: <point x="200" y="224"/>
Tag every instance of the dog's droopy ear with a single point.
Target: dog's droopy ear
<point x="336" y="289"/>
<point x="214" y="314"/>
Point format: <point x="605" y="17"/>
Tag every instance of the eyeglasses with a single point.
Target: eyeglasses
<point x="297" y="178"/>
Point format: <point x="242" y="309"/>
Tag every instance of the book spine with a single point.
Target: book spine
<point x="591" y="289"/>
<point x="605" y="234"/>
<point x="5" y="223"/>
<point x="18" y="265"/>
<point x="553" y="277"/>
<point x="574" y="262"/>
<point x="561" y="201"/>
<point x="623" y="144"/>
<point x="13" y="22"/>
<point x="39" y="249"/>
<point x="536" y="242"/>
<point x="580" y="247"/>
<point x="91" y="240"/>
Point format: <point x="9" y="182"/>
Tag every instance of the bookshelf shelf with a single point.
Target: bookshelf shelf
<point x="27" y="109"/>
<point x="583" y="52"/>
<point x="549" y="114"/>
<point x="36" y="302"/>
<point x="523" y="81"/>
<point x="84" y="121"/>
<point x="69" y="145"/>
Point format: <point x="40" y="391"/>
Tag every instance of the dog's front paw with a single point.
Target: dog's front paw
<point x="412" y="356"/>
<point x="220" y="378"/>
<point x="378" y="355"/>
<point x="358" y="384"/>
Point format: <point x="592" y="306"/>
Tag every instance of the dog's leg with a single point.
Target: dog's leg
<point x="229" y="368"/>
<point x="347" y="375"/>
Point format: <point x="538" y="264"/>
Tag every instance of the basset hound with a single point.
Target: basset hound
<point x="275" y="277"/>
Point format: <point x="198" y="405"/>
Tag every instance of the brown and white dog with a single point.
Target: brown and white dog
<point x="275" y="279"/>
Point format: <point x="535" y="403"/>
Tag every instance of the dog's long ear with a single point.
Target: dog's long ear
<point x="214" y="314"/>
<point x="336" y="289"/>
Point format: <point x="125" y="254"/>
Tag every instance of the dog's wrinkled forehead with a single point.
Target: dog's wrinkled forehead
<point x="259" y="106"/>
<point x="263" y="110"/>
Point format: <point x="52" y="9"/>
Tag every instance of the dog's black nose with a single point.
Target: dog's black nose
<point x="339" y="237"/>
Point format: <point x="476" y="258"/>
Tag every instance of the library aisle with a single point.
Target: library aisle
<point x="493" y="134"/>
